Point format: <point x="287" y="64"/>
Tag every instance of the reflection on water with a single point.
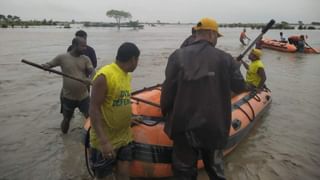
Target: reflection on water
<point x="283" y="145"/>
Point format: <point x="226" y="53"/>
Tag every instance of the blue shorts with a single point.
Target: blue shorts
<point x="104" y="167"/>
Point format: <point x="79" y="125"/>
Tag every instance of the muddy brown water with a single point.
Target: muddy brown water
<point x="284" y="144"/>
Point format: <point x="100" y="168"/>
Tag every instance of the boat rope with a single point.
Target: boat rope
<point x="146" y="88"/>
<point x="140" y="120"/>
<point x="244" y="112"/>
<point x="253" y="94"/>
<point x="86" y="147"/>
<point x="145" y="101"/>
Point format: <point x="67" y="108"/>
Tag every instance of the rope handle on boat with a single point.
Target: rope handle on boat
<point x="244" y="112"/>
<point x="145" y="101"/>
<point x="254" y="95"/>
<point x="139" y="120"/>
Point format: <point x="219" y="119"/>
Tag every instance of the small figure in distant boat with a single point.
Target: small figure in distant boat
<point x="243" y="36"/>
<point x="74" y="94"/>
<point x="256" y="75"/>
<point x="282" y="38"/>
<point x="298" y="41"/>
<point x="190" y="39"/>
<point x="301" y="44"/>
<point x="294" y="40"/>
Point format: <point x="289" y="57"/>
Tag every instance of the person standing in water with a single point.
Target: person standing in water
<point x="110" y="113"/>
<point x="244" y="36"/>
<point x="196" y="101"/>
<point x="74" y="94"/>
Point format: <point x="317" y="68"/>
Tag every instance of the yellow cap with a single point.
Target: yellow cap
<point x="256" y="52"/>
<point x="208" y="24"/>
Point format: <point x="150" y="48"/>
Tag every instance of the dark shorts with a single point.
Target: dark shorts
<point x="68" y="106"/>
<point x="185" y="157"/>
<point x="104" y="167"/>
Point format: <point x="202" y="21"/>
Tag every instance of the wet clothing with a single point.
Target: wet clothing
<point x="185" y="158"/>
<point x="298" y="42"/>
<point x="294" y="40"/>
<point x="188" y="41"/>
<point x="68" y="106"/>
<point x="196" y="102"/>
<point x="78" y="67"/>
<point x="90" y="52"/>
<point x="116" y="109"/>
<point x="300" y="45"/>
<point x="252" y="77"/>
<point x="196" y="93"/>
<point x="103" y="167"/>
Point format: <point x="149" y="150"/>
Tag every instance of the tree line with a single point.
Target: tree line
<point x="12" y="21"/>
<point x="120" y="15"/>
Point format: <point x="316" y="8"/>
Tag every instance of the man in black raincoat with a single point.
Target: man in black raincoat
<point x="197" y="103"/>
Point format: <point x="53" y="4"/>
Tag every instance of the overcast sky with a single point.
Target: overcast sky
<point x="185" y="11"/>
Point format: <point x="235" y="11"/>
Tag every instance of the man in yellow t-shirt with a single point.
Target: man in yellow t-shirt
<point x="256" y="75"/>
<point x="110" y="113"/>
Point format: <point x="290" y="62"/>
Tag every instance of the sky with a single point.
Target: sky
<point x="184" y="11"/>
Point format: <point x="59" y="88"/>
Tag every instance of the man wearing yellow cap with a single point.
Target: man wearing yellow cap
<point x="256" y="75"/>
<point x="196" y="100"/>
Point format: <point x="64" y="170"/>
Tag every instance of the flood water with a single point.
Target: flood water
<point x="284" y="144"/>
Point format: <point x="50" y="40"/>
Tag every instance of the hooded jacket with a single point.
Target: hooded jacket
<point x="196" y="94"/>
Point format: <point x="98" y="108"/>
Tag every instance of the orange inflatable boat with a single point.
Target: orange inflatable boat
<point x="152" y="153"/>
<point x="278" y="45"/>
<point x="310" y="50"/>
<point x="285" y="46"/>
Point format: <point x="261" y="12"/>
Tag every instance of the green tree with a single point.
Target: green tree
<point x="2" y="17"/>
<point x="118" y="15"/>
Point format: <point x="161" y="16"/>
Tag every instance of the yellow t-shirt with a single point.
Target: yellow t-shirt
<point x="116" y="108"/>
<point x="252" y="76"/>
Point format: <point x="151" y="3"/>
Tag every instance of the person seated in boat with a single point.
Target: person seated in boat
<point x="282" y="38"/>
<point x="301" y="44"/>
<point x="294" y="40"/>
<point x="256" y="76"/>
<point x="74" y="94"/>
<point x="110" y="113"/>
<point x="190" y="39"/>
<point x="243" y="36"/>
<point x="199" y="124"/>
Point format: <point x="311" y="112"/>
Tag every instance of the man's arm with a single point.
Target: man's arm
<point x="92" y="56"/>
<point x="262" y="74"/>
<point x="244" y="64"/>
<point x="169" y="86"/>
<point x="53" y="63"/>
<point x="98" y="94"/>
<point x="238" y="84"/>
<point x="89" y="68"/>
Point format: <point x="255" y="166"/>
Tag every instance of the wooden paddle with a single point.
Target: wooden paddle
<point x="311" y="47"/>
<point x="264" y="30"/>
<point x="53" y="71"/>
